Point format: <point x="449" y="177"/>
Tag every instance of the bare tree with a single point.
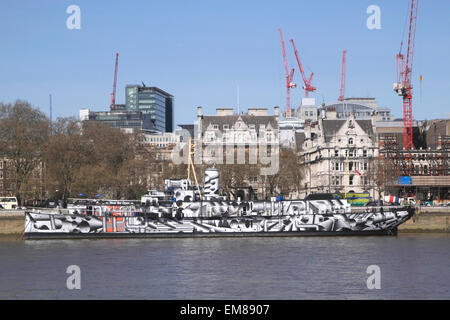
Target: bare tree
<point x="24" y="131"/>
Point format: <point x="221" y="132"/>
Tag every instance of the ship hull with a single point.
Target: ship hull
<point x="61" y="235"/>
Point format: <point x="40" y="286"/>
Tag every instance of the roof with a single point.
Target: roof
<point x="232" y="119"/>
<point x="331" y="127"/>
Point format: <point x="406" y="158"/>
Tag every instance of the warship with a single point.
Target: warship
<point x="185" y="209"/>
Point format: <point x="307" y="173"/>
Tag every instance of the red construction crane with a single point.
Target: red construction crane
<point x="289" y="77"/>
<point x="403" y="86"/>
<point x="113" y="94"/>
<point x="341" y="96"/>
<point x="307" y="87"/>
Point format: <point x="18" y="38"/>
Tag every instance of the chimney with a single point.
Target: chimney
<point x="277" y="111"/>
<point x="199" y="111"/>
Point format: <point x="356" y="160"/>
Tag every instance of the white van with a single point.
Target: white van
<point x="8" y="203"/>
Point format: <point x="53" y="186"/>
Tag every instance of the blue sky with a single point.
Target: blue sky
<point x="200" y="51"/>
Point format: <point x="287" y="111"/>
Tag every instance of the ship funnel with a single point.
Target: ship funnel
<point x="212" y="178"/>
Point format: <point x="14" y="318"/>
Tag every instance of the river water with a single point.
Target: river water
<point x="411" y="267"/>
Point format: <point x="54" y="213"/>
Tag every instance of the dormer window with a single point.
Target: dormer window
<point x="226" y="127"/>
<point x="350" y="141"/>
<point x="251" y="126"/>
<point x="215" y="126"/>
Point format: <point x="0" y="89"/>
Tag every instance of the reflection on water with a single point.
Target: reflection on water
<point x="412" y="266"/>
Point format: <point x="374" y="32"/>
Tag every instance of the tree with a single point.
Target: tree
<point x="24" y="132"/>
<point x="65" y="153"/>
<point x="382" y="174"/>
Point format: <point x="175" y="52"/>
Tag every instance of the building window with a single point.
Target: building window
<point x="350" y="180"/>
<point x="336" y="166"/>
<point x="364" y="153"/>
<point x="216" y="126"/>
<point x="336" y="153"/>
<point x="251" y="126"/>
<point x="350" y="166"/>
<point x="350" y="141"/>
<point x="336" y="180"/>
<point x="226" y="126"/>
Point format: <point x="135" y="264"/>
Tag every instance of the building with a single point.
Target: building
<point x="360" y="108"/>
<point x="437" y="133"/>
<point x="244" y="134"/>
<point x="128" y="121"/>
<point x="228" y="128"/>
<point x="162" y="143"/>
<point x="422" y="173"/>
<point x="336" y="155"/>
<point x="308" y="110"/>
<point x="155" y="105"/>
<point x="146" y="108"/>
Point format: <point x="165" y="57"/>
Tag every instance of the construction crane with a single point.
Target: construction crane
<point x="289" y="77"/>
<point x="113" y="94"/>
<point x="307" y="82"/>
<point x="403" y="86"/>
<point x="344" y="61"/>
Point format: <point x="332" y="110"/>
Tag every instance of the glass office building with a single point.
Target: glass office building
<point x="155" y="105"/>
<point x="146" y="108"/>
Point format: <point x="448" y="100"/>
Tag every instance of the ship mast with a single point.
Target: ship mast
<point x="191" y="165"/>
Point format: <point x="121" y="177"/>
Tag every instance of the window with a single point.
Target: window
<point x="251" y="126"/>
<point x="350" y="141"/>
<point x="350" y="180"/>
<point x="336" y="180"/>
<point x="336" y="153"/>
<point x="226" y="126"/>
<point x="364" y="153"/>
<point x="1" y="164"/>
<point x="336" y="166"/>
<point x="216" y="126"/>
<point x="366" y="166"/>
